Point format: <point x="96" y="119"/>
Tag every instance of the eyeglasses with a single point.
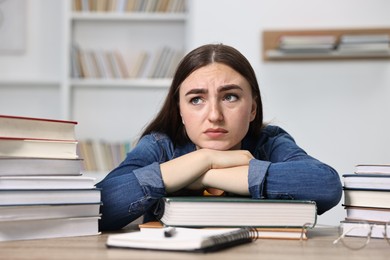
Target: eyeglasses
<point x="356" y="235"/>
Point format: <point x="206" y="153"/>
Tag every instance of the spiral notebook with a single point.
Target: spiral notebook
<point x="183" y="239"/>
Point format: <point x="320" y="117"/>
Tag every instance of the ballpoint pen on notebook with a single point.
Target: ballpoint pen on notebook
<point x="169" y="232"/>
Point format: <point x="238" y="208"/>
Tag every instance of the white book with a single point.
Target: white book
<point x="358" y="229"/>
<point x="46" y="182"/>
<point x="48" y="228"/>
<point x="14" y="166"/>
<point x="48" y="211"/>
<point x="372" y="168"/>
<point x="38" y="148"/>
<point x="28" y="197"/>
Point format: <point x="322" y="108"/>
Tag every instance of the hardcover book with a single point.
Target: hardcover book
<point x="237" y="212"/>
<point x="15" y="166"/>
<point x="38" y="148"/>
<point x="48" y="228"/>
<point x="36" y="128"/>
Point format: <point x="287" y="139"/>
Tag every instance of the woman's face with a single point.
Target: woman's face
<point x="216" y="106"/>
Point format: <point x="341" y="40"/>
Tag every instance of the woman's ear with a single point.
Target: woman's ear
<point x="253" y="110"/>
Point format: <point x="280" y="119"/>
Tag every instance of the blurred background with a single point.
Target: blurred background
<point x="336" y="109"/>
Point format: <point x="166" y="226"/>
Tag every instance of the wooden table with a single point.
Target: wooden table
<point x="318" y="246"/>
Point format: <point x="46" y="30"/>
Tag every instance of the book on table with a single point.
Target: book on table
<point x="370" y="214"/>
<point x="367" y="181"/>
<point x="48" y="211"/>
<point x="212" y="211"/>
<point x="42" y="191"/>
<point x="38" y="148"/>
<point x="36" y="128"/>
<point x="44" y="182"/>
<point x="363" y="229"/>
<point x="48" y="228"/>
<point x="372" y="169"/>
<point x="14" y="166"/>
<point x="376" y="198"/>
<point x="183" y="239"/>
<point x="49" y="196"/>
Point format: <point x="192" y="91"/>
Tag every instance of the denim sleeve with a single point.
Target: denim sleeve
<point x="282" y="170"/>
<point x="132" y="188"/>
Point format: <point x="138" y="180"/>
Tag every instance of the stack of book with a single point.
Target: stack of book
<point x="42" y="191"/>
<point x="367" y="43"/>
<point x="367" y="199"/>
<point x="307" y="44"/>
<point x="273" y="219"/>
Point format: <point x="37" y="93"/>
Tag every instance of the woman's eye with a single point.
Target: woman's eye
<point x="231" y="97"/>
<point x="196" y="101"/>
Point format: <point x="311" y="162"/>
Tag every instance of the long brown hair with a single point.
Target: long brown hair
<point x="168" y="120"/>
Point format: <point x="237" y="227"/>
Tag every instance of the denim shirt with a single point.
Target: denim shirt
<point x="280" y="170"/>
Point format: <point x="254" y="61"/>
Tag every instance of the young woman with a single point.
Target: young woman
<point x="210" y="136"/>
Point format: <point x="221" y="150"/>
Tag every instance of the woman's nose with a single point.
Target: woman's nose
<point x="215" y="113"/>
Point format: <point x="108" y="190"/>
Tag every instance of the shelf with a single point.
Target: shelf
<point x="106" y="16"/>
<point x="29" y="82"/>
<point x="271" y="41"/>
<point x="121" y="83"/>
<point x="279" y="55"/>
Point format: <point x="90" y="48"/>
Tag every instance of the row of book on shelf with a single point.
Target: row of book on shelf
<point x="345" y="44"/>
<point x="367" y="200"/>
<point x="112" y="64"/>
<point x="102" y="156"/>
<point x="42" y="191"/>
<point x="121" y="6"/>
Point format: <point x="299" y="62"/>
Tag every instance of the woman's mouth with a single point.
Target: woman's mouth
<point x="215" y="132"/>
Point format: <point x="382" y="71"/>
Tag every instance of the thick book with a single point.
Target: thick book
<point x="46" y="182"/>
<point x="367" y="181"/>
<point x="26" y="197"/>
<point x="15" y="166"/>
<point x="182" y="239"/>
<point x="38" y="148"/>
<point x="367" y="198"/>
<point x="359" y="229"/>
<point x="36" y="128"/>
<point x="367" y="214"/>
<point x="48" y="228"/>
<point x="372" y="169"/>
<point x="48" y="211"/>
<point x="211" y="211"/>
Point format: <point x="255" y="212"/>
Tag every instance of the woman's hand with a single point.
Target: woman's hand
<point x="188" y="170"/>
<point x="228" y="159"/>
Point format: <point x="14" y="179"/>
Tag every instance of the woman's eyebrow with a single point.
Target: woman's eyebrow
<point x="196" y="91"/>
<point x="220" y="89"/>
<point x="229" y="87"/>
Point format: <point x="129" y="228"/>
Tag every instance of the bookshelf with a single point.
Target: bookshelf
<point x="115" y="107"/>
<point x="271" y="38"/>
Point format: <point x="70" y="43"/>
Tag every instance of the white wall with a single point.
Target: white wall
<point x="29" y="81"/>
<point x="336" y="110"/>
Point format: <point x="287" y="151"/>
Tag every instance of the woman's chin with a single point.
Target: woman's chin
<point x="219" y="146"/>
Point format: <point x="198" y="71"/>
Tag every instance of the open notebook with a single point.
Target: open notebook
<point x="183" y="239"/>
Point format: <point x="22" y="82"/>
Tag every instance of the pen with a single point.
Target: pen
<point x="169" y="232"/>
